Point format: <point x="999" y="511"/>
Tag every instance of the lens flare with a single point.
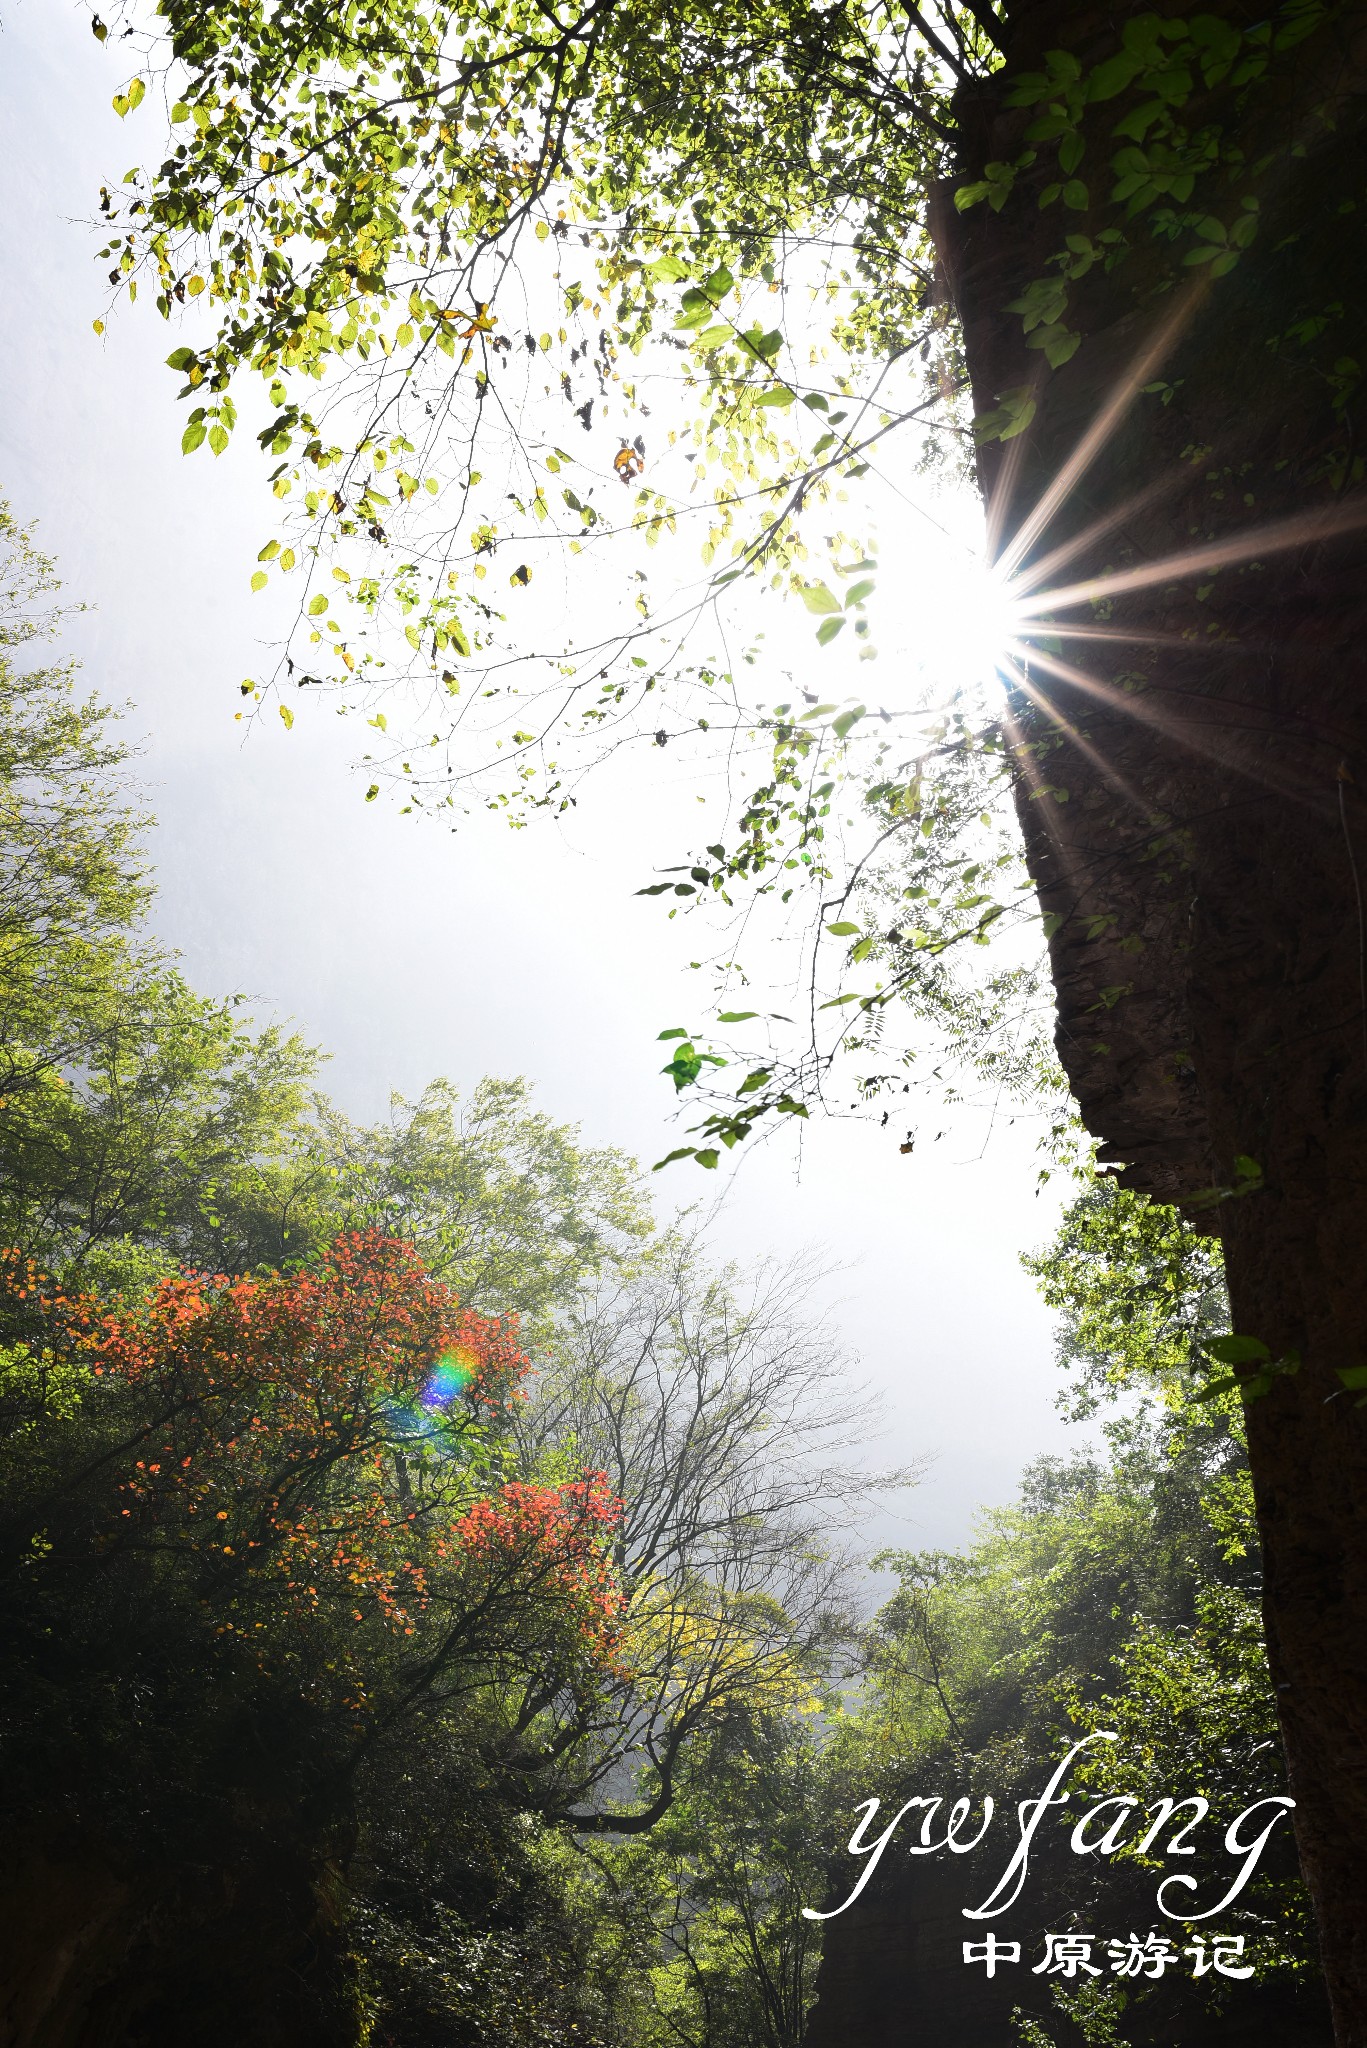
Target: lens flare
<point x="451" y="1376"/>
<point x="959" y="623"/>
<point x="1014" y="605"/>
<point x="990" y="627"/>
<point x="426" y="1423"/>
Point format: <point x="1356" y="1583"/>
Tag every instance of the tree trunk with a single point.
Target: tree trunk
<point x="1194" y="802"/>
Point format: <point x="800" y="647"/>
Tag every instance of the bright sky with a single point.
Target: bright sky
<point x="410" y="952"/>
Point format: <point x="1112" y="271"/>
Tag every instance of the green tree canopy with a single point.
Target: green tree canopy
<point x="73" y="879"/>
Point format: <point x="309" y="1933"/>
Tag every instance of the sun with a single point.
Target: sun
<point x="953" y="626"/>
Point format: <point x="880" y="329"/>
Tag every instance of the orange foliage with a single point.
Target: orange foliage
<point x="318" y="1445"/>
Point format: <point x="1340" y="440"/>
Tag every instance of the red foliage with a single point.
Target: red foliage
<point x="318" y="1443"/>
<point x="560" y="1529"/>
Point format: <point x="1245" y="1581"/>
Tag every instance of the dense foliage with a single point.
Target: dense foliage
<point x="395" y="1671"/>
<point x="329" y="1619"/>
<point x="1120" y="1591"/>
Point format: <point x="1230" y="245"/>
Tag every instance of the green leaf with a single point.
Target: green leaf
<point x="1238" y="1350"/>
<point x="1048" y="127"/>
<point x="842" y="931"/>
<point x="818" y="598"/>
<point x="736" y="1016"/>
<point x="317" y="605"/>
<point x="1112" y="76"/>
<point x="827" y="631"/>
<point x="1137" y="124"/>
<point x="858" y="592"/>
<point x="1213" y="1391"/>
<point x="1059" y="344"/>
<point x="1029" y="89"/>
<point x="848" y="719"/>
<point x="695" y="309"/>
<point x="192" y="437"/>
<point x="260" y="580"/>
<point x="1353" y="1376"/>
<point x="677" y="1031"/>
<point x="1013" y="415"/>
<point x="680" y="1152"/>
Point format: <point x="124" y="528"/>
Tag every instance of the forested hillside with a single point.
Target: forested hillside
<point x="429" y="1613"/>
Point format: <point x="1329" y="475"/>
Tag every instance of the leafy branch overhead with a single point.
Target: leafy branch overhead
<point x="360" y="203"/>
<point x="503" y="294"/>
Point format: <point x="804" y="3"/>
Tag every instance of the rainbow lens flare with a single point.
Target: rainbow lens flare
<point x="451" y="1377"/>
<point x="424" y="1421"/>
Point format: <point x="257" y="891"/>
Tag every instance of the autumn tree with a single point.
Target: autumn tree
<point x="260" y="1542"/>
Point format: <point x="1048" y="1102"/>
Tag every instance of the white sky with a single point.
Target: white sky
<point x="409" y="952"/>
